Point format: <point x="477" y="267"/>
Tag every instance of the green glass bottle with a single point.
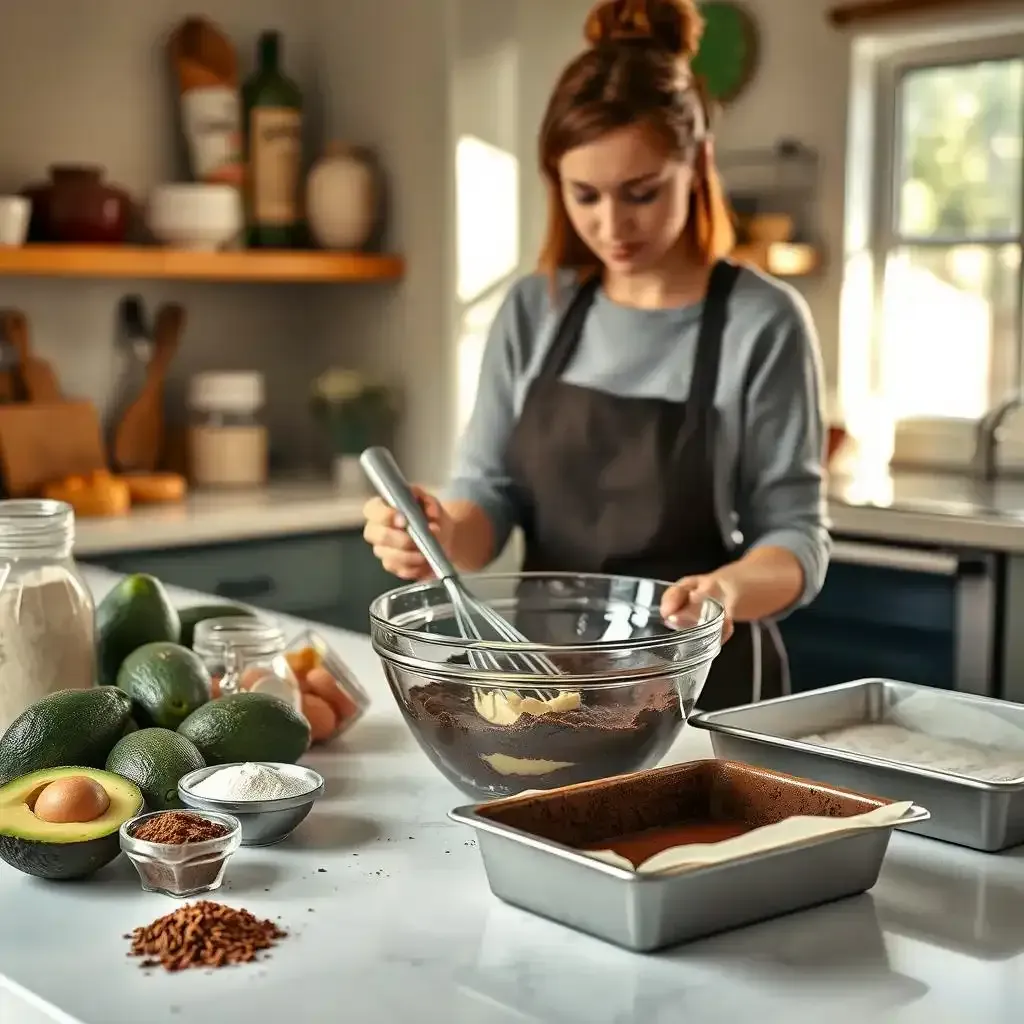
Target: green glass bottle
<point x="273" y="146"/>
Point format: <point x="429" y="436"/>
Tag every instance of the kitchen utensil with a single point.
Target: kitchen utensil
<point x="39" y="382"/>
<point x="15" y="212"/>
<point x="139" y="438"/>
<point x="42" y="442"/>
<point x="9" y="383"/>
<point x="196" y="215"/>
<point x="133" y="352"/>
<point x="264" y="822"/>
<point x="531" y="848"/>
<point x="387" y="479"/>
<point x="629" y="679"/>
<point x="968" y="812"/>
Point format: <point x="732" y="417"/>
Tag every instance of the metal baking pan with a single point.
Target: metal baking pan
<point x="532" y="852"/>
<point x="986" y="816"/>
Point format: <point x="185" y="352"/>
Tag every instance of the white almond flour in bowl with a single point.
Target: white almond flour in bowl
<point x="251" y="781"/>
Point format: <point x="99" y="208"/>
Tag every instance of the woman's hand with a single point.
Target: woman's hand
<point x="690" y="592"/>
<point x="385" y="532"/>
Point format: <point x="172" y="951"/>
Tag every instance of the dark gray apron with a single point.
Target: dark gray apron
<point x="621" y="485"/>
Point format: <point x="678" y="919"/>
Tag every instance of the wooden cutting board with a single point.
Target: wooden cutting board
<point x="41" y="442"/>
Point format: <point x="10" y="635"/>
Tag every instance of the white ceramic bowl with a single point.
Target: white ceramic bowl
<point x="195" y="215"/>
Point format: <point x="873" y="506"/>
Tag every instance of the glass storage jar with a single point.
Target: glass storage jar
<point x="47" y="614"/>
<point x="243" y="653"/>
<point x="227" y="441"/>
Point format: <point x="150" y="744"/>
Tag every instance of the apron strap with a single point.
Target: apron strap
<point x="701" y="400"/>
<point x="569" y="330"/>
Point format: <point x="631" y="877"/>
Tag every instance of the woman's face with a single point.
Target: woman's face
<point x="627" y="198"/>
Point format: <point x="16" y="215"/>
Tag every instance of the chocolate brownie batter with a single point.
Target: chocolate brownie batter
<point x="613" y="731"/>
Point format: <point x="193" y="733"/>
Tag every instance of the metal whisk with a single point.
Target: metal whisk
<point x="387" y="479"/>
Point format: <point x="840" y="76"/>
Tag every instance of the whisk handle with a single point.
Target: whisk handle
<point x="388" y="481"/>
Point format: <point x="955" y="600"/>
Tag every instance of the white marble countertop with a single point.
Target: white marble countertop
<point x="399" y="925"/>
<point x="928" y="508"/>
<point x="222" y="516"/>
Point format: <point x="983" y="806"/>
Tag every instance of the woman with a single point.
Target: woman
<point x="644" y="399"/>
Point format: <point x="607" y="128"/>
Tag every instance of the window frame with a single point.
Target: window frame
<point x="879" y="64"/>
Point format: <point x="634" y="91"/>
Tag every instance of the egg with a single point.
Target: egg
<point x="252" y="675"/>
<point x="76" y="798"/>
<point x="275" y="686"/>
<point x="323" y="684"/>
<point x="322" y="720"/>
<point x="302" y="661"/>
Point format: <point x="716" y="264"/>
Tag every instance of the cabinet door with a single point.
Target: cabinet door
<point x="875" y="621"/>
<point x="363" y="581"/>
<point x="329" y="578"/>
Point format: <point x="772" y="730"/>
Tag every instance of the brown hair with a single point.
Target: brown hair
<point x="637" y="71"/>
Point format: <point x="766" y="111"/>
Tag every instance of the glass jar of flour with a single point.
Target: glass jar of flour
<point x="246" y="653"/>
<point x="47" y="615"/>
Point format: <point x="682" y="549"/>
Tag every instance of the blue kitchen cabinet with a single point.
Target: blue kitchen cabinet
<point x="935" y="625"/>
<point x="326" y="577"/>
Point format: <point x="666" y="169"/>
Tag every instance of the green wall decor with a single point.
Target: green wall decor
<point x="727" y="57"/>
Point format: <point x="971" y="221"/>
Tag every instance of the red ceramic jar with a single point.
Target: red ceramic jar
<point x="75" y="205"/>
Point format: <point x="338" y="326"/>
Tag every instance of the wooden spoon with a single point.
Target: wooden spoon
<point x="37" y="376"/>
<point x="9" y="366"/>
<point x="139" y="439"/>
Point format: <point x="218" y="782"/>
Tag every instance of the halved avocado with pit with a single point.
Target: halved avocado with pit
<point x="63" y="850"/>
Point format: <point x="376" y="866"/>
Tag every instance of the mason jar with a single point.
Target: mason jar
<point x="243" y="653"/>
<point x="47" y="614"/>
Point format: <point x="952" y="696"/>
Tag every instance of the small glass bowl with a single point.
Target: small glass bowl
<point x="181" y="869"/>
<point x="263" y="822"/>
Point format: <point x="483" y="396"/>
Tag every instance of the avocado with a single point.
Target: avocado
<point x="63" y="850"/>
<point x="191" y="617"/>
<point x="65" y="727"/>
<point x="136" y="612"/>
<point x="166" y="683"/>
<point x="247" y="727"/>
<point x="155" y="759"/>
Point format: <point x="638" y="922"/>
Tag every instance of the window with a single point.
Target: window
<point x="933" y="327"/>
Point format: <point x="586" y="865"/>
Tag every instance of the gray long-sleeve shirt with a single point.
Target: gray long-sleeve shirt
<point x="769" y="435"/>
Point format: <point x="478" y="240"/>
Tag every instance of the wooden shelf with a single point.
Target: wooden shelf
<point x="153" y="262"/>
<point x="861" y="11"/>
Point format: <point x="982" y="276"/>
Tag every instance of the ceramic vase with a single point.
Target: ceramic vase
<point x="342" y="198"/>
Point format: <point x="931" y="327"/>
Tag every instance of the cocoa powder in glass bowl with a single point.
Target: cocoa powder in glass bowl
<point x="180" y="853"/>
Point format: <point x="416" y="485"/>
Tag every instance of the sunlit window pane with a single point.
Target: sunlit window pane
<point x="960" y="151"/>
<point x="949" y="329"/>
<point x="487" y="215"/>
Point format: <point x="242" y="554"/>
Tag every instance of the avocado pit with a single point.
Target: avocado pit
<point x="76" y="798"/>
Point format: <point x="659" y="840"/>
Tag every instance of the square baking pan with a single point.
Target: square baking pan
<point x="533" y="852"/>
<point x="982" y="815"/>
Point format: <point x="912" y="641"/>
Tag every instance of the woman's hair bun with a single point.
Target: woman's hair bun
<point x="673" y="25"/>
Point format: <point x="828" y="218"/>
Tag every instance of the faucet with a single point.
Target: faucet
<point x="986" y="436"/>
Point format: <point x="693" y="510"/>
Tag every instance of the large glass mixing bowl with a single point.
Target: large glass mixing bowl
<point x="495" y="726"/>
